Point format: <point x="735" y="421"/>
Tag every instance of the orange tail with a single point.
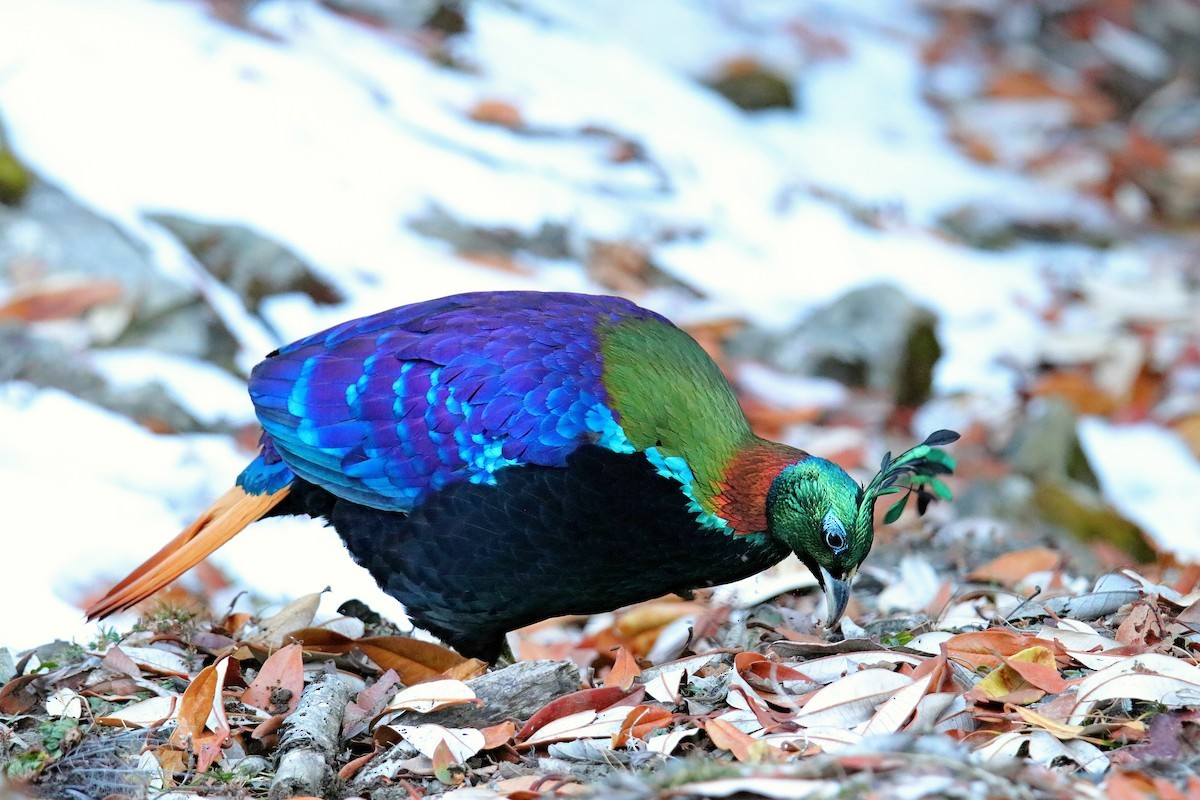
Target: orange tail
<point x="223" y="520"/>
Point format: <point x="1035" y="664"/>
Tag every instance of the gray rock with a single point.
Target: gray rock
<point x="1047" y="446"/>
<point x="874" y="338"/>
<point x="253" y="265"/>
<point x="47" y="363"/>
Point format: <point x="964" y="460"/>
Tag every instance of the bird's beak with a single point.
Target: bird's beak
<point x="837" y="594"/>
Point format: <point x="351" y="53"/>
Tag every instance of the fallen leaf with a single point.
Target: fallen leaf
<point x="586" y="724"/>
<point x="460" y="743"/>
<point x="745" y="748"/>
<point x="277" y="687"/>
<point x="987" y="648"/>
<point x="1152" y="677"/>
<point x="498" y="735"/>
<point x="1023" y="678"/>
<point x="852" y="699"/>
<point x="202" y="722"/>
<point x="641" y="721"/>
<point x="149" y="713"/>
<point x="624" y="672"/>
<point x="368" y="704"/>
<point x="1012" y="568"/>
<point x="413" y="660"/>
<point x="583" y="700"/>
<point x="432" y="695"/>
<point x="297" y="615"/>
<point x="68" y="301"/>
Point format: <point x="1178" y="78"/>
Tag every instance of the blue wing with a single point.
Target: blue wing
<point x="384" y="409"/>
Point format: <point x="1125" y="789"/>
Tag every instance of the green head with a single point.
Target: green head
<point x="828" y="520"/>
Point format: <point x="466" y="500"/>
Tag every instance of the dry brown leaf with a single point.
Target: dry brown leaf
<point x="743" y="746"/>
<point x="297" y="615"/>
<point x="204" y="696"/>
<point x="624" y="672"/>
<point x="986" y="648"/>
<point x="69" y="301"/>
<point x="1025" y="678"/>
<point x="583" y="700"/>
<point x="1012" y="568"/>
<point x="277" y="687"/>
<point x="369" y="703"/>
<point x="497" y="112"/>
<point x="413" y="660"/>
<point x="641" y="722"/>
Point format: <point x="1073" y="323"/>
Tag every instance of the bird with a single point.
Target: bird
<point x="499" y="458"/>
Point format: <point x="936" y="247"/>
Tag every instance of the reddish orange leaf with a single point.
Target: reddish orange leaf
<point x="60" y="302"/>
<point x="641" y="721"/>
<point x="277" y="687"/>
<point x="624" y="672"/>
<point x="202" y="698"/>
<point x="1011" y="568"/>
<point x="498" y="735"/>
<point x="583" y="700"/>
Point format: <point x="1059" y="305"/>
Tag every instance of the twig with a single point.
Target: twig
<point x="309" y="745"/>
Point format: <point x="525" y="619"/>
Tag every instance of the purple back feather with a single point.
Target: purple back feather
<point x="381" y="410"/>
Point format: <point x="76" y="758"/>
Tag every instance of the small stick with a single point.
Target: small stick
<point x="309" y="745"/>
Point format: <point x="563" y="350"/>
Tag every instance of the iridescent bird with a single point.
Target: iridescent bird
<point x="495" y="459"/>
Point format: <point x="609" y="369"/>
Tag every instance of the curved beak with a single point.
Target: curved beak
<point x="837" y="594"/>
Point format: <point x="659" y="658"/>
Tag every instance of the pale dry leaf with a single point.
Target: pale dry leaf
<point x="65" y="703"/>
<point x="461" y="742"/>
<point x="1070" y="634"/>
<point x="581" y="725"/>
<point x="430" y="696"/>
<point x="771" y="788"/>
<point x="157" y="660"/>
<point x="666" y="743"/>
<point x="830" y="738"/>
<point x="274" y="630"/>
<point x="831" y="668"/>
<point x="894" y="712"/>
<point x="1045" y="750"/>
<point x="148" y="713"/>
<point x="1002" y="749"/>
<point x="853" y="699"/>
<point x="664" y="686"/>
<point x="1152" y="677"/>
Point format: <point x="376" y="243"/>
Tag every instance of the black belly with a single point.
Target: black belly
<point x="473" y="562"/>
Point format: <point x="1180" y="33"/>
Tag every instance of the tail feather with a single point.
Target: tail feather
<point x="223" y="520"/>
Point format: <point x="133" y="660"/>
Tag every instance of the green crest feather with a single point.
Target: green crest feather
<point x="915" y="472"/>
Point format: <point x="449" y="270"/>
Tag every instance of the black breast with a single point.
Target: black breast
<point x="473" y="562"/>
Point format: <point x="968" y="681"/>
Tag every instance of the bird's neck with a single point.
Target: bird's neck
<point x="742" y="498"/>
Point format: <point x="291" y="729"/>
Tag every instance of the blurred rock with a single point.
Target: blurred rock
<point x="45" y="362"/>
<point x="751" y="86"/>
<point x="254" y="266"/>
<point x="550" y="241"/>
<point x="1047" y="446"/>
<point x="875" y="338"/>
<point x="1084" y="514"/>
<point x="445" y="16"/>
<point x="51" y="240"/>
<point x="991" y="226"/>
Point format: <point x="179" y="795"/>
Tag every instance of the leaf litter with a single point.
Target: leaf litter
<point x="1045" y="705"/>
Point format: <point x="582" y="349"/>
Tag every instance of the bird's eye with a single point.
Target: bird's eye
<point x="835" y="533"/>
<point x="836" y="540"/>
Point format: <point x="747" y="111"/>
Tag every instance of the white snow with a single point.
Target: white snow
<point x="1151" y="478"/>
<point x="331" y="136"/>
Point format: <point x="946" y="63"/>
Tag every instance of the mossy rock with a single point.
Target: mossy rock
<point x="1077" y="510"/>
<point x="15" y="178"/>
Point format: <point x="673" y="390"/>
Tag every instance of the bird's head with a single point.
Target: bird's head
<point x="828" y="520"/>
